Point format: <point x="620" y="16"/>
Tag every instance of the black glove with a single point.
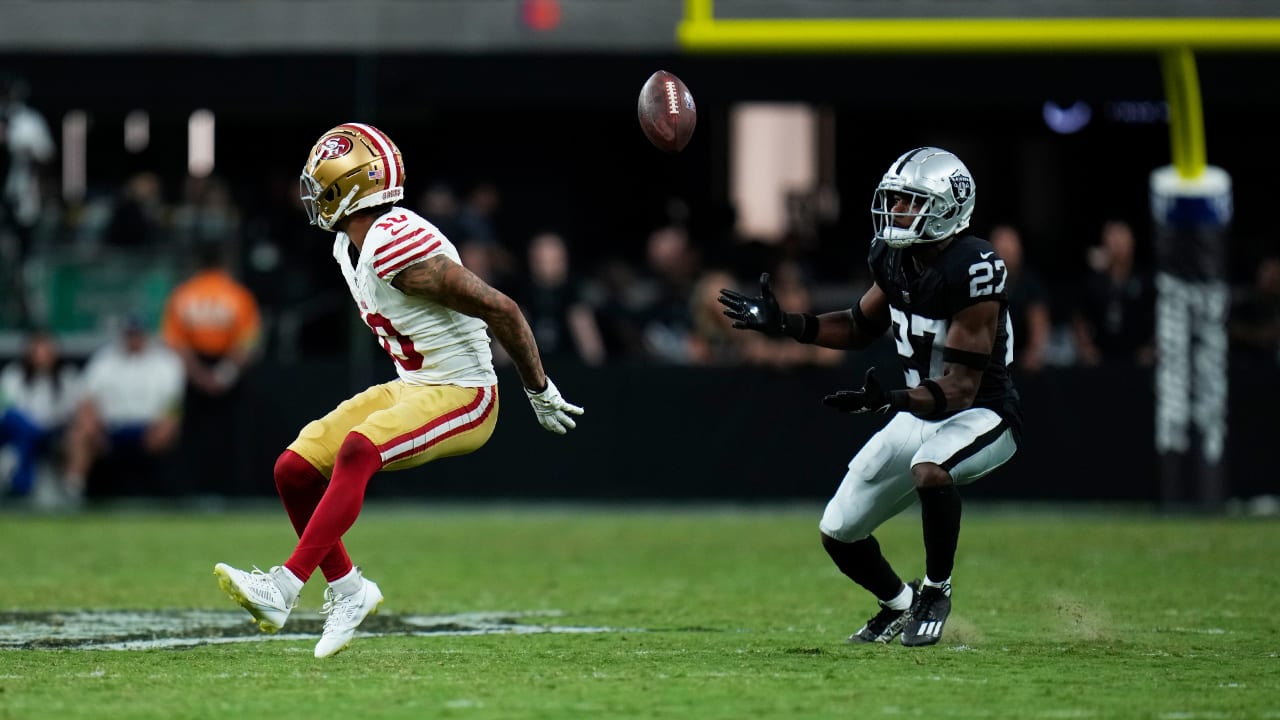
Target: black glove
<point x="871" y="397"/>
<point x="760" y="313"/>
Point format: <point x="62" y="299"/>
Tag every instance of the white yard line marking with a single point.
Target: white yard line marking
<point x="157" y="629"/>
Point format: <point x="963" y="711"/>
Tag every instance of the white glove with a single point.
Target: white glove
<point x="552" y="410"/>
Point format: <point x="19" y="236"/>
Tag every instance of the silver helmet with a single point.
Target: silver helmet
<point x="933" y="195"/>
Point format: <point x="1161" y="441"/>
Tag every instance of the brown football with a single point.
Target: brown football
<point x="666" y="111"/>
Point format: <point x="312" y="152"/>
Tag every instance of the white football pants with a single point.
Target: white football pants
<point x="879" y="484"/>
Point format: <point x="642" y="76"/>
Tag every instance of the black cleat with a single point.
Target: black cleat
<point x="927" y="616"/>
<point x="886" y="624"/>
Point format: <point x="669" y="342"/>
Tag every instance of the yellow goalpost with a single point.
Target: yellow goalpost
<point x="1175" y="39"/>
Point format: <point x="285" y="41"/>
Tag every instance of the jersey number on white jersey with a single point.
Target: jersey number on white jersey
<point x="402" y="351"/>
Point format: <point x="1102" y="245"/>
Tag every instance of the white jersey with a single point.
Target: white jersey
<point x="134" y="388"/>
<point x="430" y="344"/>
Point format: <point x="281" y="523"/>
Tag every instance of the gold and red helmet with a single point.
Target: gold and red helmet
<point x="350" y="167"/>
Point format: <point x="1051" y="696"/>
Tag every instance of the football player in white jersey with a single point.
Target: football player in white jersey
<point x="433" y="317"/>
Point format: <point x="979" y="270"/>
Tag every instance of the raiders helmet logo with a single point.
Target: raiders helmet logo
<point x="334" y="146"/>
<point x="961" y="187"/>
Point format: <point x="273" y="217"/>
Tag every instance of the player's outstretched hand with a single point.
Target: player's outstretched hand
<point x="871" y="397"/>
<point x="552" y="410"/>
<point x="760" y="313"/>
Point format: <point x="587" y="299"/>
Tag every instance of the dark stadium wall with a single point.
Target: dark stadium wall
<point x="749" y="434"/>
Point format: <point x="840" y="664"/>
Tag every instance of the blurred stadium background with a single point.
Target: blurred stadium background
<point x="179" y="124"/>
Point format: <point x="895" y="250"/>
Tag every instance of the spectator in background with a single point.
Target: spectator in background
<point x="713" y="341"/>
<point x="19" y="435"/>
<point x="42" y="393"/>
<point x="477" y="236"/>
<point x="294" y="284"/>
<point x="1114" y="320"/>
<point x="139" y="217"/>
<point x="1255" y="317"/>
<point x="563" y="323"/>
<point x="26" y="148"/>
<point x="791" y="291"/>
<point x="673" y="269"/>
<point x="476" y="215"/>
<point x="440" y="203"/>
<point x="1028" y="301"/>
<point x="131" y="406"/>
<point x="620" y="308"/>
<point x="206" y="213"/>
<point x="213" y="323"/>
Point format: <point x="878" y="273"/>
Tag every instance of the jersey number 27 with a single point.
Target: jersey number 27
<point x="982" y="278"/>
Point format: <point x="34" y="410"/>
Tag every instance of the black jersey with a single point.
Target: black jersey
<point x="923" y="299"/>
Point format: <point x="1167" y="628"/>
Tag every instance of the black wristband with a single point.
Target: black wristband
<point x="899" y="400"/>
<point x="939" y="398"/>
<point x="802" y="327"/>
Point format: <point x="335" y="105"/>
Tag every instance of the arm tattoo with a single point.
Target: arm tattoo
<point x="444" y="281"/>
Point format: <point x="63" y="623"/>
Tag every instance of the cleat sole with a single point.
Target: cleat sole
<point x="921" y="643"/>
<point x="229" y="587"/>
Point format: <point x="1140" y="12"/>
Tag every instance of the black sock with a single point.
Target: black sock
<point x="940" y="515"/>
<point x="863" y="562"/>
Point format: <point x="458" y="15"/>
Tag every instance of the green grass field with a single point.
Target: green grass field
<point x="695" y="613"/>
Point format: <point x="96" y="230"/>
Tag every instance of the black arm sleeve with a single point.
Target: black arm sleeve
<point x="866" y="324"/>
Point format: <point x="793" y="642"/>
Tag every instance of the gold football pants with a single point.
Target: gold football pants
<point x="409" y="424"/>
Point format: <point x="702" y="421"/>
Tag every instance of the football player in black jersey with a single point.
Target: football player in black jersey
<point x="942" y="293"/>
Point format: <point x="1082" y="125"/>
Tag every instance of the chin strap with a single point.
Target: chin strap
<point x="342" y="207"/>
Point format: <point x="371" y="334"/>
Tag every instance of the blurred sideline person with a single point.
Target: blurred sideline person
<point x="1114" y="321"/>
<point x="432" y="316"/>
<point x="1028" y="301"/>
<point x="714" y="342"/>
<point x="672" y="269"/>
<point x="20" y="435"/>
<point x="131" y="407"/>
<point x="1255" y="317"/>
<point x="787" y="285"/>
<point x="42" y="393"/>
<point x="212" y="322"/>
<point x="552" y="297"/>
<point x="943" y="295"/>
<point x="26" y="149"/>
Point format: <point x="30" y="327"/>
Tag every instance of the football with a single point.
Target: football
<point x="666" y="111"/>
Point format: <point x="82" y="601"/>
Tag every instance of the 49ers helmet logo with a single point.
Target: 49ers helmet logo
<point x="334" y="146"/>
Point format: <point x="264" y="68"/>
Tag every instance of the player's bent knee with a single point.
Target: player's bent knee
<point x="836" y="525"/>
<point x="294" y="472"/>
<point x="928" y="475"/>
<point x="358" y="448"/>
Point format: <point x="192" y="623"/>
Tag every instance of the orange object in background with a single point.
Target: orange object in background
<point x="211" y="314"/>
<point x="540" y="15"/>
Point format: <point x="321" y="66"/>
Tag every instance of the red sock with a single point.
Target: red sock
<point x="301" y="486"/>
<point x="358" y="459"/>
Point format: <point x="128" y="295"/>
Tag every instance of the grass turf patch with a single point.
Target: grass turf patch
<point x="713" y="613"/>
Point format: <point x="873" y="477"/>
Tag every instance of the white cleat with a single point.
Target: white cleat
<point x="258" y="592"/>
<point x="345" y="613"/>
